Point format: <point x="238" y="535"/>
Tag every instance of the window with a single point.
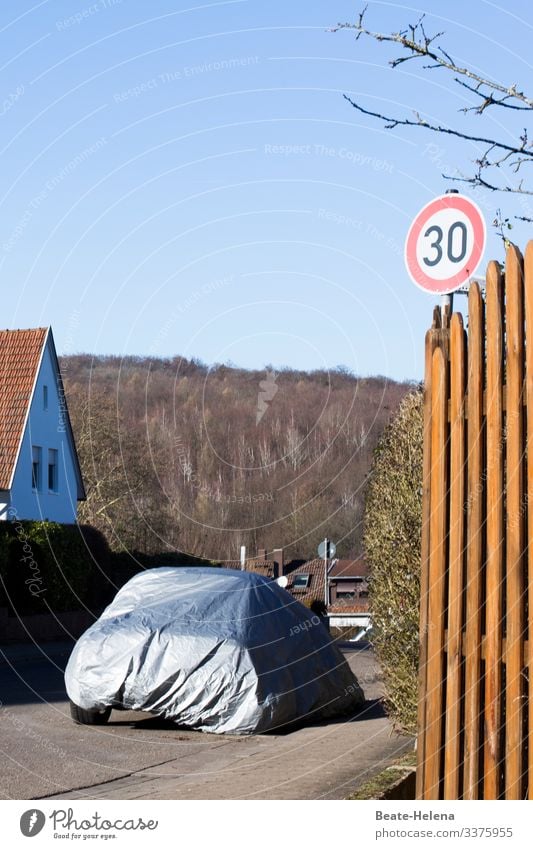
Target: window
<point x="36" y="463"/>
<point x="300" y="582"/>
<point x="345" y="593"/>
<point x="349" y="588"/>
<point x="45" y="397"/>
<point x="52" y="469"/>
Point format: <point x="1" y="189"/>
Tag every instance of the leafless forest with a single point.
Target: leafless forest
<point x="178" y="455"/>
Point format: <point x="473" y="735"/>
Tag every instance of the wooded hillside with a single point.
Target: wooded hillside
<point x="179" y="455"/>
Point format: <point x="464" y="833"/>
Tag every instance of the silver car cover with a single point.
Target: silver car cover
<point x="213" y="649"/>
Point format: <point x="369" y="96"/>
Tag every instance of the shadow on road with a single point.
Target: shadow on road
<point x="32" y="683"/>
<point x="371" y="709"/>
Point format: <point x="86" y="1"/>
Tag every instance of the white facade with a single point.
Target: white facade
<point x="46" y="483"/>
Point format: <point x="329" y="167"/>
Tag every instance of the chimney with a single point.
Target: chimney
<point x="277" y="557"/>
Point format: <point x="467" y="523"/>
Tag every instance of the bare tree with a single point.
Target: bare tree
<point x="502" y="165"/>
<point x="170" y="463"/>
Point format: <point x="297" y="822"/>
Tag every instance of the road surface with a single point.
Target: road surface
<point x="136" y="756"/>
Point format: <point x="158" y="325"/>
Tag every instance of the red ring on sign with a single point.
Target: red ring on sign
<point x="449" y="284"/>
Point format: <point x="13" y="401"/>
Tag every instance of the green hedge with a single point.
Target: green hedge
<point x="392" y="532"/>
<point x="45" y="566"/>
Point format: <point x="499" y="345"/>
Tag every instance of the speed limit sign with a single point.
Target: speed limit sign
<point x="445" y="243"/>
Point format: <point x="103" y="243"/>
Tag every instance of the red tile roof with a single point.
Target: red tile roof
<point x="361" y="606"/>
<point x="315" y="569"/>
<point x="315" y="588"/>
<point x="348" y="569"/>
<point x="20" y="356"/>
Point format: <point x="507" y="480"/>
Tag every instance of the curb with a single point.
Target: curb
<point x="403" y="789"/>
<point x="397" y="781"/>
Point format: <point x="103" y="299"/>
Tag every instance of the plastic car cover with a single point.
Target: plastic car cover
<point x="213" y="649"/>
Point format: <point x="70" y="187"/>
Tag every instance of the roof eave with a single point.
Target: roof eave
<point x="27" y="415"/>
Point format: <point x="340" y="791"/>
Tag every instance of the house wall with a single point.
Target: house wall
<point x="339" y="587"/>
<point x="5" y="502"/>
<point x="47" y="429"/>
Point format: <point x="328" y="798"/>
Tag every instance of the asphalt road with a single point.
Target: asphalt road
<point x="137" y="756"/>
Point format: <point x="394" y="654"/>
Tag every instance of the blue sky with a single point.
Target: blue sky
<point x="188" y="179"/>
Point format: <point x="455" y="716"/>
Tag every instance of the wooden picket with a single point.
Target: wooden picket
<point x="475" y="715"/>
<point x="528" y="285"/>
<point x="456" y="548"/>
<point x="514" y="518"/>
<point x="495" y="535"/>
<point x="474" y="542"/>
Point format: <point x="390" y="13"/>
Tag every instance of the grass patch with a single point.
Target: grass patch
<point x="379" y="785"/>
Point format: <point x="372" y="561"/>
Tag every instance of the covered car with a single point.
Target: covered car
<point x="212" y="649"/>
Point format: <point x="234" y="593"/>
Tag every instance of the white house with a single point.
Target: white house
<point x="40" y="475"/>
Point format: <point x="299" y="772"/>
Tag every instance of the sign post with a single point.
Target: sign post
<point x="445" y="244"/>
<point x="326" y="549"/>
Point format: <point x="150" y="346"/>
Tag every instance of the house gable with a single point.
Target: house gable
<point x="45" y="480"/>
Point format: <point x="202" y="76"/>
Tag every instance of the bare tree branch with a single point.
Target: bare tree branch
<point x="391" y="123"/>
<point x="420" y="45"/>
<point x="478" y="181"/>
<point x="488" y="100"/>
<point x="508" y="158"/>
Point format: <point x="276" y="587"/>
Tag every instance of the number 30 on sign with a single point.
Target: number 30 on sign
<point x="445" y="244"/>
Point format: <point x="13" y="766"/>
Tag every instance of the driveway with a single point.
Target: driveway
<point x="136" y="756"/>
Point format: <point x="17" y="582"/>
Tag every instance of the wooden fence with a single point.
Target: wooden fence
<point x="476" y="698"/>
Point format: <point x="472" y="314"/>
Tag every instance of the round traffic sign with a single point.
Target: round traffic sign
<point x="445" y="243"/>
<point x="327" y="549"/>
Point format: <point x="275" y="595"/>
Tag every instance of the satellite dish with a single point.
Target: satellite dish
<point x="282" y="581"/>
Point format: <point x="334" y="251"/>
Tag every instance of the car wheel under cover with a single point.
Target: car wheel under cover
<point x="89" y="717"/>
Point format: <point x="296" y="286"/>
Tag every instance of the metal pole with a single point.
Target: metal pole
<point x="326" y="594"/>
<point x="446" y="301"/>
